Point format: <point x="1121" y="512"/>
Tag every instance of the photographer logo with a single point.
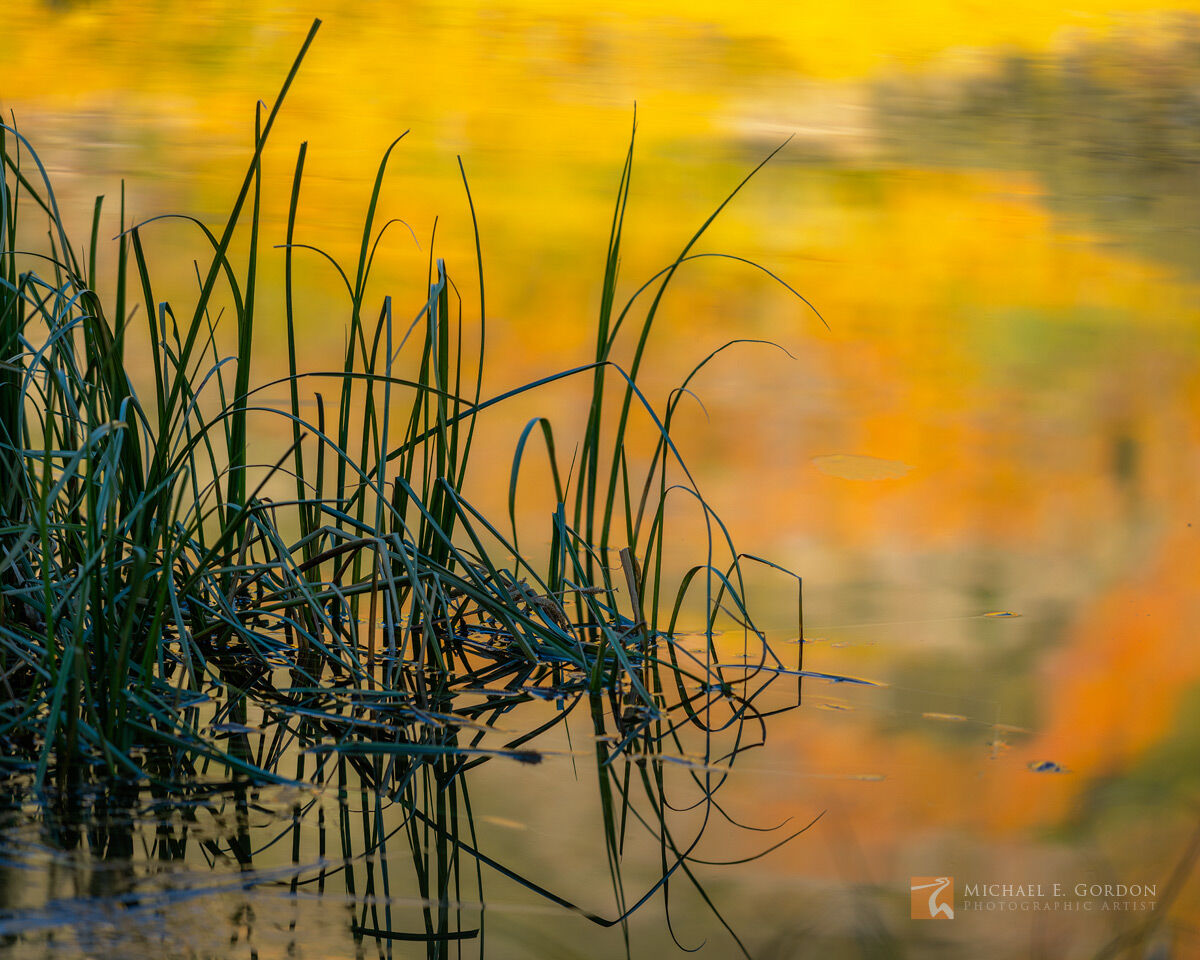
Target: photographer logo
<point x="932" y="898"/>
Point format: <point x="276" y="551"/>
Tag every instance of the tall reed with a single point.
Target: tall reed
<point x="137" y="593"/>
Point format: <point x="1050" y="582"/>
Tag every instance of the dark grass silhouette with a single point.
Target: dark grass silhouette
<point x="164" y="625"/>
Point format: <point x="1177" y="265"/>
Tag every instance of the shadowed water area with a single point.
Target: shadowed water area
<point x="984" y="468"/>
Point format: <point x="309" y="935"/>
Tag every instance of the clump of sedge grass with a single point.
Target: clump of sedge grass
<point x="144" y="610"/>
<point x="127" y="583"/>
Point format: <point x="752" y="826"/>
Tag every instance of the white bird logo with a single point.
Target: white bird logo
<point x="936" y="909"/>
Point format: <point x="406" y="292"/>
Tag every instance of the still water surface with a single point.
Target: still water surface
<point x="998" y="219"/>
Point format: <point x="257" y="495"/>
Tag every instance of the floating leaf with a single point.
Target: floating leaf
<point x="1047" y="766"/>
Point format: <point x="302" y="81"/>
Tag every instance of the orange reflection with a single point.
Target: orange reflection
<point x="1038" y="378"/>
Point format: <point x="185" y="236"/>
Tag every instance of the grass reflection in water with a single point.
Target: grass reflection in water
<point x="173" y="641"/>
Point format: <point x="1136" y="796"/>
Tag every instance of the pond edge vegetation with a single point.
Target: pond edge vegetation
<point x="159" y="627"/>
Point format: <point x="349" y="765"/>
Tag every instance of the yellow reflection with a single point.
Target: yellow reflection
<point x="1019" y="387"/>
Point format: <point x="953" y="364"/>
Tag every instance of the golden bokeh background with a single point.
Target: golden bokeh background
<point x="991" y="206"/>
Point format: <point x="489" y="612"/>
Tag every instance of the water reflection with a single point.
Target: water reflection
<point x="1111" y="126"/>
<point x="1004" y="242"/>
<point x="378" y="851"/>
